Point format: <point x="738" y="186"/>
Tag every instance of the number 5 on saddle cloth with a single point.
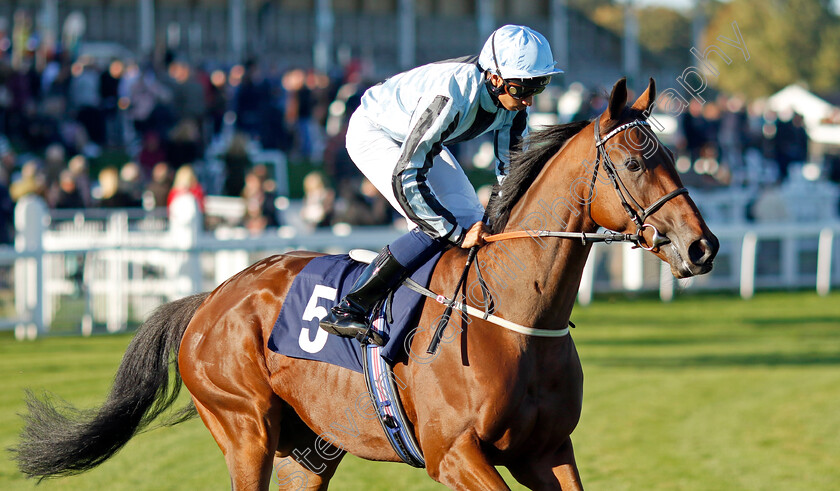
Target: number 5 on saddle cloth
<point x="319" y="286"/>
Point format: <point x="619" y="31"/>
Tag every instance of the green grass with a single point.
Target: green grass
<point x="709" y="392"/>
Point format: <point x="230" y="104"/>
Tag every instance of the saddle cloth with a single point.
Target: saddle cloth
<point x="323" y="283"/>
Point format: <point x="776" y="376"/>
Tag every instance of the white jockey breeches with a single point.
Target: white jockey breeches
<point x="376" y="155"/>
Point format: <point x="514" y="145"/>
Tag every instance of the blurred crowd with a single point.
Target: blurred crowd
<point x="60" y="114"/>
<point x="721" y="142"/>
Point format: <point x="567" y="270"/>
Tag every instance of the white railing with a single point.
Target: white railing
<point x="119" y="268"/>
<point x="766" y="256"/>
<point x="126" y="264"/>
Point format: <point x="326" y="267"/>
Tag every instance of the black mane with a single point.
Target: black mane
<point x="525" y="165"/>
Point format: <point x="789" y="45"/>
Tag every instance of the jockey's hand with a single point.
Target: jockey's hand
<point x="475" y="235"/>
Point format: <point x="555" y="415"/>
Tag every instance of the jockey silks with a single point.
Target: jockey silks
<point x="402" y="127"/>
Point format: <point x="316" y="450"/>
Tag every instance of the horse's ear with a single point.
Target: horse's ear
<point x="618" y="99"/>
<point x="644" y="101"/>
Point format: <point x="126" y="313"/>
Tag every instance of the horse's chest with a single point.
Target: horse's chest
<point x="544" y="408"/>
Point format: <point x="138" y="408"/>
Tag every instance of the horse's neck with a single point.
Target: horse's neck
<point x="546" y="271"/>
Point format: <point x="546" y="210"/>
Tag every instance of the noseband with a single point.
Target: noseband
<point x="636" y="211"/>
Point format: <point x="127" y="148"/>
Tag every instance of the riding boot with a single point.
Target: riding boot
<point x="350" y="317"/>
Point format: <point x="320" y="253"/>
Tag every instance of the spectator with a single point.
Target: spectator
<point x="733" y="133"/>
<point x="187" y="93"/>
<point x="151" y="152"/>
<point x="146" y="96"/>
<point x="66" y="195"/>
<point x="186" y="182"/>
<point x="109" y="85"/>
<point x="184" y="146"/>
<point x="54" y="163"/>
<point x="694" y="130"/>
<point x="59" y="86"/>
<point x="791" y="143"/>
<point x="237" y="163"/>
<point x="318" y="201"/>
<point x="252" y="100"/>
<point x="359" y="203"/>
<point x="160" y="184"/>
<point x="132" y="182"/>
<point x="7" y="212"/>
<point x="78" y="167"/>
<point x="594" y="106"/>
<point x="8" y="157"/>
<point x="85" y="100"/>
<point x="111" y="194"/>
<point x="259" y="196"/>
<point x="254" y="196"/>
<point x="32" y="181"/>
<point x="216" y="100"/>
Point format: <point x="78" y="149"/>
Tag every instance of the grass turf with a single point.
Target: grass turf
<point x="708" y="392"/>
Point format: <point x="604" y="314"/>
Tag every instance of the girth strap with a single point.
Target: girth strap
<point x="382" y="388"/>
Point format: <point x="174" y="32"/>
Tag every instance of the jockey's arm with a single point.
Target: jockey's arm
<point x="431" y="124"/>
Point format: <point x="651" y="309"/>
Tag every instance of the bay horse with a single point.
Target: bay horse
<point x="489" y="396"/>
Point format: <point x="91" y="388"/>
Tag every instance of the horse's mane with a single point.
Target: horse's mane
<point x="525" y="164"/>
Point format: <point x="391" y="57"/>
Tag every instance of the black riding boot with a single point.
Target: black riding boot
<point x="350" y="317"/>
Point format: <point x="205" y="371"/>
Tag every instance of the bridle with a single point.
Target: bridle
<point x="637" y="212"/>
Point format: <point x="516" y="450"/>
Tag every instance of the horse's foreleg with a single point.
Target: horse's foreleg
<point x="555" y="472"/>
<point x="566" y="470"/>
<point x="464" y="466"/>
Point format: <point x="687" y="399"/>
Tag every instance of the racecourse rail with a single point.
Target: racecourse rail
<point x="118" y="267"/>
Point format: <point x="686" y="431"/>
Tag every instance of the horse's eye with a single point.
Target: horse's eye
<point x="633" y="165"/>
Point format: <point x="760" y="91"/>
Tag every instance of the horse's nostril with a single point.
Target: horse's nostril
<point x="700" y="252"/>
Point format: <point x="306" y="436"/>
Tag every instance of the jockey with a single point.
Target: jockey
<point x="398" y="138"/>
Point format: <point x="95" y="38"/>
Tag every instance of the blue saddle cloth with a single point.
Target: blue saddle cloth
<point x="323" y="283"/>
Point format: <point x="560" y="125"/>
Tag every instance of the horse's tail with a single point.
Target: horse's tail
<point x="60" y="440"/>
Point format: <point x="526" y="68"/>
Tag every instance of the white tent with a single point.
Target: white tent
<point x="796" y="98"/>
<point x="812" y="108"/>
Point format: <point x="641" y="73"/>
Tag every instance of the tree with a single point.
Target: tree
<point x="662" y="31"/>
<point x="788" y="41"/>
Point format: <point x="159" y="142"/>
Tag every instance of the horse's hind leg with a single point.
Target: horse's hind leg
<point x="293" y="475"/>
<point x="247" y="438"/>
<point x="228" y="381"/>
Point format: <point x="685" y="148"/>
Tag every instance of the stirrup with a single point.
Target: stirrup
<point x="371" y="336"/>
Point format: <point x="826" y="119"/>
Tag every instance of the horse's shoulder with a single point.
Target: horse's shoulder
<point x="449" y="267"/>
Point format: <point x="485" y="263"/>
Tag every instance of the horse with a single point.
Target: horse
<point x="488" y="397"/>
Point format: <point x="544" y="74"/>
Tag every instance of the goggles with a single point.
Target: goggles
<point x="523" y="89"/>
